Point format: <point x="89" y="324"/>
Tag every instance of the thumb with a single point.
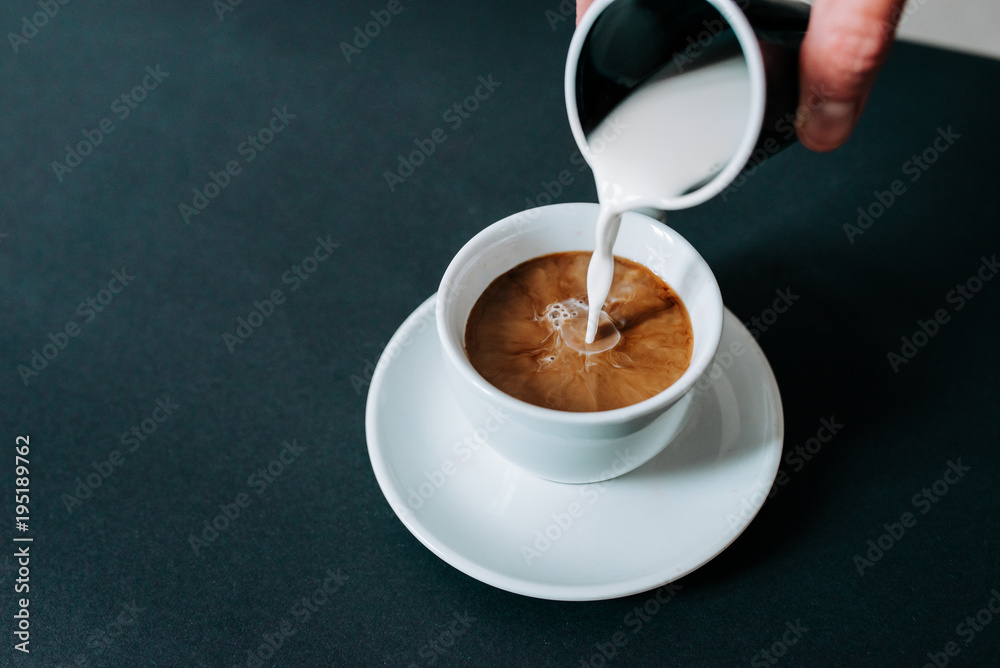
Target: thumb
<point x="844" y="47"/>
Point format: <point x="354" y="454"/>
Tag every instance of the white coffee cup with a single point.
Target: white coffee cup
<point x="566" y="446"/>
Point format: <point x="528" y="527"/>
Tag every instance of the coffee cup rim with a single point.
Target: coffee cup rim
<point x="454" y="351"/>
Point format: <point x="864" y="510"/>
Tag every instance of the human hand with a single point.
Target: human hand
<point x="843" y="50"/>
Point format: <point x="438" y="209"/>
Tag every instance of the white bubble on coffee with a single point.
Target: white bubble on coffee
<point x="571" y="318"/>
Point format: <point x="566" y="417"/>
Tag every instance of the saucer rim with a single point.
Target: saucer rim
<point x="594" y="592"/>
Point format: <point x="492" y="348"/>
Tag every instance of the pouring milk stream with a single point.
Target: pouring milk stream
<point x="667" y="137"/>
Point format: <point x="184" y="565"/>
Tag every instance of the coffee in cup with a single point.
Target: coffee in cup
<point x="525" y="335"/>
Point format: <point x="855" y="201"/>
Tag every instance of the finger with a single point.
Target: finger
<point x="844" y="47"/>
<point x="581" y="7"/>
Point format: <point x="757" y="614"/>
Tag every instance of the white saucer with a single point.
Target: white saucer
<point x="507" y="528"/>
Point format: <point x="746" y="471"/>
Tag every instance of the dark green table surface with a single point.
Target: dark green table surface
<point x="114" y="579"/>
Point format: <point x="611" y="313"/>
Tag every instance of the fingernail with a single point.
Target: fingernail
<point x="828" y="125"/>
